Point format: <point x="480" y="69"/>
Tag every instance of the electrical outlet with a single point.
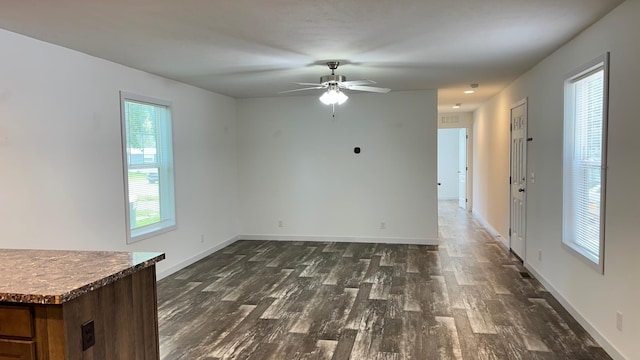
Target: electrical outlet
<point x="383" y="225"/>
<point x="619" y="320"/>
<point x="280" y="223"/>
<point x="202" y="238"/>
<point x="88" y="335"/>
<point x="539" y="255"/>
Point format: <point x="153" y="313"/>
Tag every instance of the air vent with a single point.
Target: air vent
<point x="450" y="120"/>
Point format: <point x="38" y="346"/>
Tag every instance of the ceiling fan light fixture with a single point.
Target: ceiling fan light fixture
<point x="342" y="97"/>
<point x="333" y="96"/>
<point x="334" y="83"/>
<point x="328" y="97"/>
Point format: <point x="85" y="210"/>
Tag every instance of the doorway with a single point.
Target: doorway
<point x="452" y="166"/>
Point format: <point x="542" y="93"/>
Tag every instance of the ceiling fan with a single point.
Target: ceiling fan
<point x="334" y="83"/>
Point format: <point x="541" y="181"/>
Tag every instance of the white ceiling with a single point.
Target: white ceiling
<point x="256" y="48"/>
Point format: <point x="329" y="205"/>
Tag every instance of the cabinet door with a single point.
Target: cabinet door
<point x="16" y="321"/>
<point x="17" y="350"/>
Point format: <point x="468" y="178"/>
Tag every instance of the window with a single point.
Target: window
<point x="148" y="161"/>
<point x="584" y="165"/>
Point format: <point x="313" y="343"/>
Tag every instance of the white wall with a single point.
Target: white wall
<point x="592" y="297"/>
<point x="448" y="159"/>
<point x="61" y="163"/>
<point x="491" y="164"/>
<point x="297" y="165"/>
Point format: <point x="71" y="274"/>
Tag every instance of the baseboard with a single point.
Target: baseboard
<point x="493" y="232"/>
<point x="357" y="239"/>
<point x="599" y="338"/>
<point x="181" y="265"/>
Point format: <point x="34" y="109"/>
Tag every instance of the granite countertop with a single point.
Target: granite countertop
<point x="57" y="276"/>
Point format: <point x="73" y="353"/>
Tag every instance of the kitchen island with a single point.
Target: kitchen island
<point x="58" y="305"/>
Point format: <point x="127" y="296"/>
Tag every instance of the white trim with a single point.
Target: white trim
<point x="490" y="228"/>
<point x="597" y="336"/>
<point x="469" y="126"/>
<point x="523" y="101"/>
<point x="166" y="166"/>
<point x="183" y="264"/>
<point x="355" y="239"/>
<point x="469" y="179"/>
<point x="595" y="261"/>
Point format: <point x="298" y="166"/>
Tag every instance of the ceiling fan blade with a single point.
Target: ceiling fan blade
<point x="309" y="88"/>
<point x="348" y="84"/>
<point x="308" y="84"/>
<point x="369" y="89"/>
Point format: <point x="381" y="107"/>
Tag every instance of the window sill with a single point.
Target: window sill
<point x="151" y="231"/>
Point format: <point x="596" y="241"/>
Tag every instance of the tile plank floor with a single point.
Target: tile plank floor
<point x="465" y="299"/>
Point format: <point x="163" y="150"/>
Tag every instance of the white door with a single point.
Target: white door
<point x="517" y="231"/>
<point x="462" y="169"/>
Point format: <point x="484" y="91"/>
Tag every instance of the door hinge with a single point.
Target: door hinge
<point x="466" y="168"/>
<point x="466" y="200"/>
<point x="467" y="137"/>
<point x="509" y="232"/>
<point x="509" y="180"/>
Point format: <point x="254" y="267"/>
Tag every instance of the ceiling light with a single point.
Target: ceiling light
<point x="457" y="106"/>
<point x="333" y="96"/>
<point x="473" y="86"/>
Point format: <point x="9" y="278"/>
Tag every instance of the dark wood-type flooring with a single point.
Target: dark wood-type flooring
<point x="465" y="299"/>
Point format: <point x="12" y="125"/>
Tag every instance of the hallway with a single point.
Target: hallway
<point x="466" y="299"/>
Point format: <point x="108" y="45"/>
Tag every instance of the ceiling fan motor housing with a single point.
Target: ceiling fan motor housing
<point x="332" y="79"/>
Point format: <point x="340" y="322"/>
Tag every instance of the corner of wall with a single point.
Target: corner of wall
<point x="161" y="274"/>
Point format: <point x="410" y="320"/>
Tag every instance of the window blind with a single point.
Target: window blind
<point x="585" y="160"/>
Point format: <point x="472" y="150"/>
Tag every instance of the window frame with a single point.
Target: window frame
<point x="163" y="161"/>
<point x="601" y="63"/>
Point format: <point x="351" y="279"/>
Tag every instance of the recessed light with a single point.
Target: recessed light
<point x="469" y="92"/>
<point x="457" y="106"/>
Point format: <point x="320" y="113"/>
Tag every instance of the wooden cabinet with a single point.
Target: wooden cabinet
<point x="17" y="349"/>
<point x="16" y="333"/>
<point x="125" y="320"/>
